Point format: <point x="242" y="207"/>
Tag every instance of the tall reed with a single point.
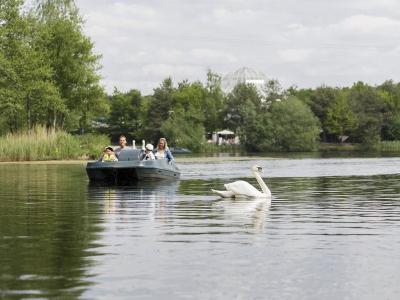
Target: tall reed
<point x="41" y="144"/>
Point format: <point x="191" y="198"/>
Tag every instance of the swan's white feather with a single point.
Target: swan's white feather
<point x="224" y="194"/>
<point x="244" y="188"/>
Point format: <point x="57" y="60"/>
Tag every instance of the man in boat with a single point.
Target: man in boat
<point x="121" y="146"/>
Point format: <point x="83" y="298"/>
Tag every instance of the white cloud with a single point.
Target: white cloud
<point x="299" y="42"/>
<point x="294" y="55"/>
<point x="364" y="24"/>
<point x="212" y="56"/>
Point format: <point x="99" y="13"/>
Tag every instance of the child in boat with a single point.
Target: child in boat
<point x="147" y="153"/>
<point x="109" y="155"/>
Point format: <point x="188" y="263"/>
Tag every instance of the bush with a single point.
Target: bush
<point x="288" y="126"/>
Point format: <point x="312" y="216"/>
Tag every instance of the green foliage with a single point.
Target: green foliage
<point x="160" y="108"/>
<point x="390" y="93"/>
<point x="340" y="119"/>
<point x="273" y="91"/>
<point x="184" y="132"/>
<point x="213" y="103"/>
<point x="28" y="95"/>
<point x="126" y="114"/>
<point x="368" y="105"/>
<point x="287" y="125"/>
<point x="392" y="129"/>
<point x="241" y="108"/>
<point x="74" y="65"/>
<point x="183" y="113"/>
<point x="49" y="74"/>
<point x="389" y="146"/>
<point x="92" y="145"/>
<point x="290" y="126"/>
<point x="41" y="144"/>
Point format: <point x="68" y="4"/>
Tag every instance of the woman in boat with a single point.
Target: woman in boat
<point x="162" y="151"/>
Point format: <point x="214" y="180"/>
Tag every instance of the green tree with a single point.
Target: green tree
<point x="290" y="126"/>
<point x="390" y="93"/>
<point x="183" y="131"/>
<point x="340" y="119"/>
<point x="241" y="107"/>
<point x="369" y="107"/>
<point x="126" y="112"/>
<point x="319" y="102"/>
<point x="213" y="103"/>
<point x="273" y="91"/>
<point x="185" y="124"/>
<point x="160" y="108"/>
<point x="75" y="66"/>
<point x="27" y="92"/>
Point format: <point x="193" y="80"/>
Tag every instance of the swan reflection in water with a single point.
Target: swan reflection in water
<point x="251" y="212"/>
<point x="168" y="201"/>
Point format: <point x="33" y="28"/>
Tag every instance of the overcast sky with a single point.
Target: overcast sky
<point x="299" y="42"/>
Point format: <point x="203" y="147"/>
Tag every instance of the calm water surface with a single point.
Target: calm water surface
<point x="331" y="232"/>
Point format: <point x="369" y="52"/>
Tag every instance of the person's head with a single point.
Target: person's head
<point x="109" y="150"/>
<point x="122" y="141"/>
<point x="162" y="144"/>
<point x="149" y="148"/>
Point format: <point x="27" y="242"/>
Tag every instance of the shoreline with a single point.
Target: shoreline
<point x="178" y="160"/>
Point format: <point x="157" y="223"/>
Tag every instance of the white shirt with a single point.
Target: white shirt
<point x="149" y="156"/>
<point x="160" y="155"/>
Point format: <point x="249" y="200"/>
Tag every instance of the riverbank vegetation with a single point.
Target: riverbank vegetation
<point x="42" y="144"/>
<point x="49" y="79"/>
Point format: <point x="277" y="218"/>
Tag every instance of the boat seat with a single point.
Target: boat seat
<point x="129" y="155"/>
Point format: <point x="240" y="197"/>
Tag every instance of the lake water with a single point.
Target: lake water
<point x="331" y="232"/>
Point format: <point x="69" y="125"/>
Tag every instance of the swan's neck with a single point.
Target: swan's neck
<point x="262" y="184"/>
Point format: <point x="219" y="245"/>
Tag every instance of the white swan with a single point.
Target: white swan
<point x="244" y="189"/>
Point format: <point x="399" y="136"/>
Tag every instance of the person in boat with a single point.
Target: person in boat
<point x="147" y="153"/>
<point x="121" y="146"/>
<point x="109" y="155"/>
<point x="162" y="151"/>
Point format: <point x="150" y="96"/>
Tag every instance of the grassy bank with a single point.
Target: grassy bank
<point x="41" y="144"/>
<point x="384" y="146"/>
<point x="390" y="146"/>
<point x="338" y="147"/>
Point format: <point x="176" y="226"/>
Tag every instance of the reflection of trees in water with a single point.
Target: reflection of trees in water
<point x="48" y="230"/>
<point x="144" y="197"/>
<point x="318" y="199"/>
<point x="320" y="190"/>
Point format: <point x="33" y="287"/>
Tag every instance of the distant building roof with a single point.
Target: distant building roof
<point x="225" y="132"/>
<point x="243" y="75"/>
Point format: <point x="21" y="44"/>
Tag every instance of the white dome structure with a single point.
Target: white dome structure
<point x="243" y="75"/>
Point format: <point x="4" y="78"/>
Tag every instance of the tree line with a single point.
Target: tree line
<point x="48" y="70"/>
<point x="274" y="119"/>
<point x="49" y="76"/>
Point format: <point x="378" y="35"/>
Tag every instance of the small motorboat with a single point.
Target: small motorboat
<point x="129" y="169"/>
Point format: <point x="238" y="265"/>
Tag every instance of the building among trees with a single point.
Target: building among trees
<point x="244" y="75"/>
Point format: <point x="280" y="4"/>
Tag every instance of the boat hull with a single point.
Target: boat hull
<point x="131" y="171"/>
